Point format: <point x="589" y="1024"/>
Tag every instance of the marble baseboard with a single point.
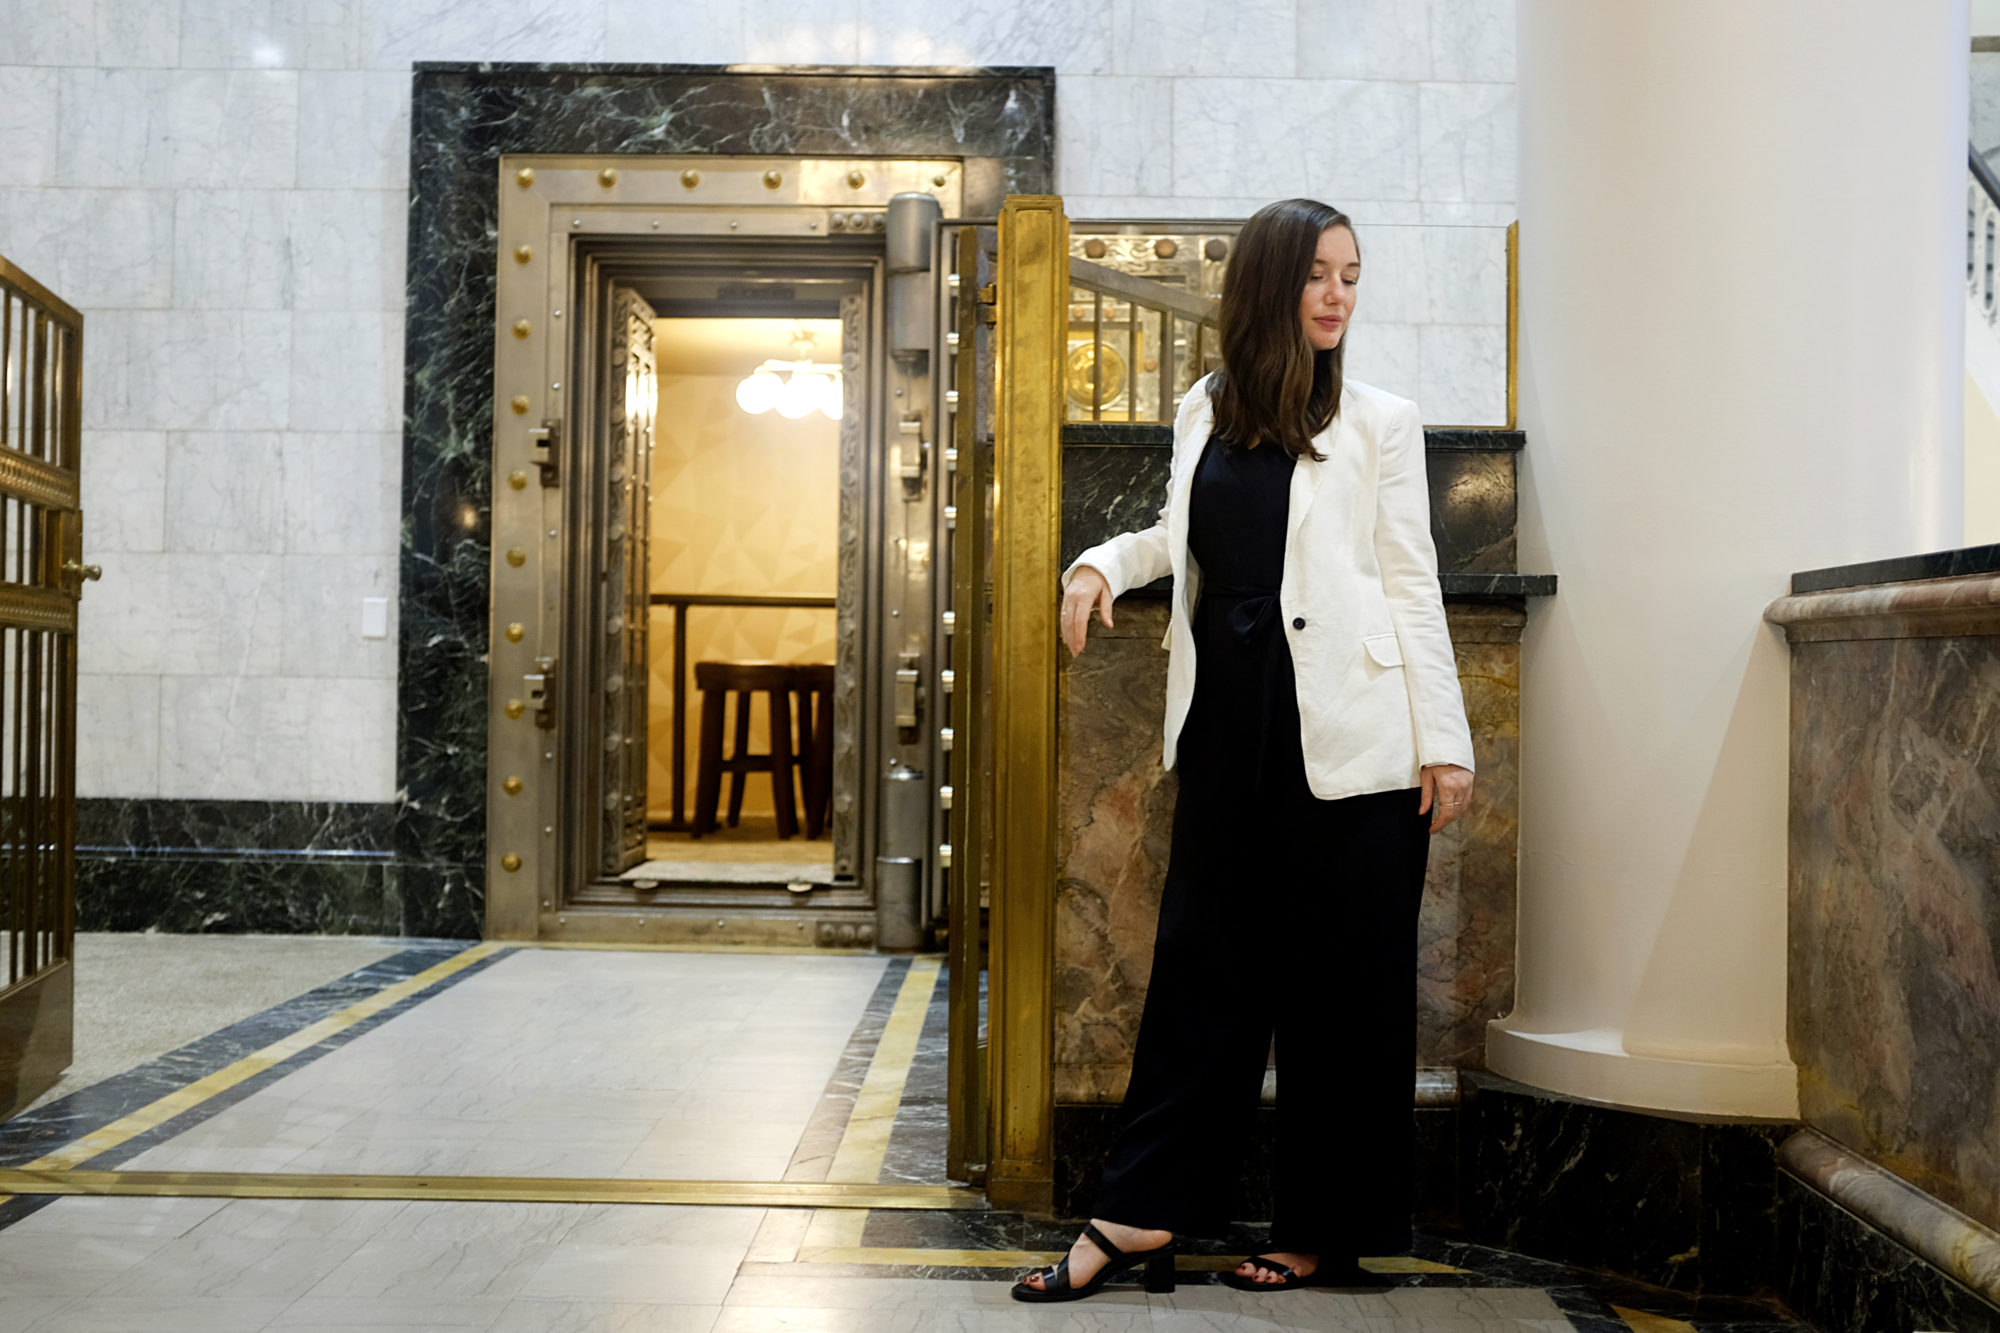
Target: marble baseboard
<point x="262" y="867"/>
<point x="1846" y="1276"/>
<point x="1683" y="1202"/>
<point x="1084" y="1135"/>
<point x="195" y="828"/>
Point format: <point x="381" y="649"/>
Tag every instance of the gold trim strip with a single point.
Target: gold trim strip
<point x="498" y="1189"/>
<point x="194" y="1094"/>
<point x="1513" y="325"/>
<point x="23" y="607"/>
<point x="1641" y="1322"/>
<point x="25" y="477"/>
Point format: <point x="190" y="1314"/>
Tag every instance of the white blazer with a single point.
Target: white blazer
<point x="1378" y="685"/>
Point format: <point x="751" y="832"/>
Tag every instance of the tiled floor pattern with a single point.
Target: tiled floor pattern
<point x="662" y="1065"/>
<point x="563" y="1063"/>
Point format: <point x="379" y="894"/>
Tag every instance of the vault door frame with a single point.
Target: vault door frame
<point x="555" y="213"/>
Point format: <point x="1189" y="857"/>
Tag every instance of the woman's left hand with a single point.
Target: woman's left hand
<point x="1449" y="788"/>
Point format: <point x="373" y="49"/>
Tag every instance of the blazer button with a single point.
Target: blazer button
<point x="1298" y="622"/>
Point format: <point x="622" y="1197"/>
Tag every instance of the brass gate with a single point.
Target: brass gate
<point x="41" y="573"/>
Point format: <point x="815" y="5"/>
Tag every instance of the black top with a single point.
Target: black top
<point x="1243" y="725"/>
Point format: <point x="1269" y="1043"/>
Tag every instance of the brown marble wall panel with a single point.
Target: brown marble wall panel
<point x="1895" y="906"/>
<point x="1115" y="811"/>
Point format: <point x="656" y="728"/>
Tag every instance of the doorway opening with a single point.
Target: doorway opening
<point x="744" y="574"/>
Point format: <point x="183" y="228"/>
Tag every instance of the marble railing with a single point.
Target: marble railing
<point x="1116" y="802"/>
<point x="1894" y="967"/>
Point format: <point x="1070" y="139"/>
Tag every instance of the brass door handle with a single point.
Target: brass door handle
<point x="91" y="572"/>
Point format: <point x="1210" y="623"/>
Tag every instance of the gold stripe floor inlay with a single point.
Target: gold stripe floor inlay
<point x="508" y="1189"/>
<point x="194" y="1094"/>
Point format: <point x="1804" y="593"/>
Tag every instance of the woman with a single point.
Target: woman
<point x="1320" y="743"/>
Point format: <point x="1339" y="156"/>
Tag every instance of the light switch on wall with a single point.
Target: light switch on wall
<point x="374" y="617"/>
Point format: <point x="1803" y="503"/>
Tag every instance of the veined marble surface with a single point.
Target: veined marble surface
<point x="1115" y="812"/>
<point x="1895" y="906"/>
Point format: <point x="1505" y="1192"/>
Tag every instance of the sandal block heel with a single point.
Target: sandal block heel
<point x="1156" y="1264"/>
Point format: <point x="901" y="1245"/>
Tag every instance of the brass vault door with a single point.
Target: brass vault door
<point x="41" y="543"/>
<point x="584" y="245"/>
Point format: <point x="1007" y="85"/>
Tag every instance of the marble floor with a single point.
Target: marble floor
<point x="442" y="1060"/>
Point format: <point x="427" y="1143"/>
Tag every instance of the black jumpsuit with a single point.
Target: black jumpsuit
<point x="1281" y="913"/>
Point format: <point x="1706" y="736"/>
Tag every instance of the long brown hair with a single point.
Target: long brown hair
<point x="1274" y="385"/>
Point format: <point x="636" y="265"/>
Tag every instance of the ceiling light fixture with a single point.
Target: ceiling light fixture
<point x="794" y="388"/>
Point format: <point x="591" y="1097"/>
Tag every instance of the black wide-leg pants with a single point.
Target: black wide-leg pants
<point x="1282" y="915"/>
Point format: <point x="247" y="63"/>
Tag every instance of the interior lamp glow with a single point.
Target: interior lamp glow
<point x="758" y="392"/>
<point x="807" y="385"/>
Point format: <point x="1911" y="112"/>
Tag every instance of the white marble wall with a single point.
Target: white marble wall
<point x="220" y="185"/>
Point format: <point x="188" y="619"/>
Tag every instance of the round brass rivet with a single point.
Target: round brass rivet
<point x="510" y="862"/>
<point x="1166" y="247"/>
<point x="857" y="178"/>
<point x="517" y="479"/>
<point x="608" y="177"/>
<point x="938" y="179"/>
<point x="1094" y="248"/>
<point x="522" y="328"/>
<point x="524" y="177"/>
<point x="523" y="253"/>
<point x="512" y="786"/>
<point x="515" y="632"/>
<point x="690" y="178"/>
<point x="516" y="557"/>
<point x="773" y="179"/>
<point x="520" y="404"/>
<point x="515" y="708"/>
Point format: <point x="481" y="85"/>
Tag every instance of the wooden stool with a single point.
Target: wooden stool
<point x="717" y="681"/>
<point x="814" y="684"/>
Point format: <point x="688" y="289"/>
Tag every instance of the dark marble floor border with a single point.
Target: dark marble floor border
<point x="918" y="1139"/>
<point x="828" y="1122"/>
<point x="36" y="1133"/>
<point x="1585" y="1298"/>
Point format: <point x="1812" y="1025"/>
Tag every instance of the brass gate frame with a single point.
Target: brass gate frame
<point x="547" y="201"/>
<point x="41" y="436"/>
<point x="1030" y="339"/>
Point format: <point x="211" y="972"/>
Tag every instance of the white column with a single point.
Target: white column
<point x="1742" y="250"/>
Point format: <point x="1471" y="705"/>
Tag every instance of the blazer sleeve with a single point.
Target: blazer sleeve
<point x="1408" y="560"/>
<point x="1134" y="559"/>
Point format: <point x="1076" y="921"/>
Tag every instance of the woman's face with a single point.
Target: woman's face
<point x="1327" y="302"/>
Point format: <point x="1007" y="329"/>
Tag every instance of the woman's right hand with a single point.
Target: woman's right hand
<point x="1087" y="590"/>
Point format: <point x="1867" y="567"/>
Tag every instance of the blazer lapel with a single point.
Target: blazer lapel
<point x="1187" y="454"/>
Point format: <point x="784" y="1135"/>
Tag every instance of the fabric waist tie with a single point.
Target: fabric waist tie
<point x="1249" y="611"/>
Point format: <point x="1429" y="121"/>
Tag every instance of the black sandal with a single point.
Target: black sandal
<point x="1158" y="1263"/>
<point x="1337" y="1275"/>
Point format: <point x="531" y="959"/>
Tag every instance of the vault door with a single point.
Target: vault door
<point x="628" y="455"/>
